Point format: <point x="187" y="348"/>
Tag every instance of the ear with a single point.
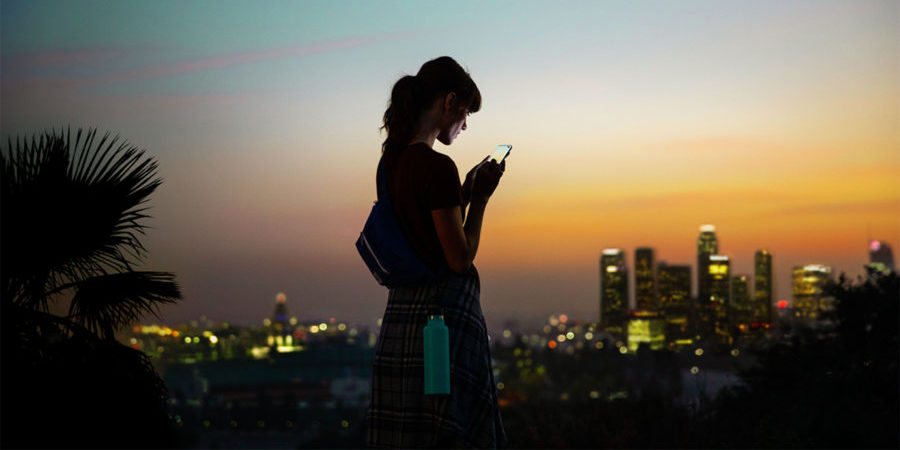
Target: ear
<point x="450" y="102"/>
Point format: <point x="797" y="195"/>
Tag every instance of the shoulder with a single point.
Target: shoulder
<point x="438" y="160"/>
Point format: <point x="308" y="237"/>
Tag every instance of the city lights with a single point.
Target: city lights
<point x="665" y="324"/>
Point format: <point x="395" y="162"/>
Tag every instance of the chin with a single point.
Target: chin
<point x="446" y="140"/>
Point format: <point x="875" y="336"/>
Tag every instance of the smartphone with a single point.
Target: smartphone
<point x="500" y="153"/>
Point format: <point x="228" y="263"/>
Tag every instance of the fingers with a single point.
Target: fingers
<point x="479" y="165"/>
<point x="493" y="169"/>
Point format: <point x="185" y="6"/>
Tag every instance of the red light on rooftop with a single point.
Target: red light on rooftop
<point x="782" y="304"/>
<point x="875" y="246"/>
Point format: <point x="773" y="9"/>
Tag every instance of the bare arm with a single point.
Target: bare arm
<point x="459" y="242"/>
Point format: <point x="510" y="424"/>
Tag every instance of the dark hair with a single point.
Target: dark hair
<point x="412" y="95"/>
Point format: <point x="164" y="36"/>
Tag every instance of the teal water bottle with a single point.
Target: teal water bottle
<point x="437" y="356"/>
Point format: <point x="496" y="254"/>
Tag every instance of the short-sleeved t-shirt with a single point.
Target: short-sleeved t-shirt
<point x="421" y="180"/>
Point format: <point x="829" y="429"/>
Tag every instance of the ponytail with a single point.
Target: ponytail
<point x="412" y="95"/>
<point x="402" y="112"/>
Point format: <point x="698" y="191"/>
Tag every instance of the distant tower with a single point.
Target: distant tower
<point x="280" y="319"/>
<point x="675" y="300"/>
<point x="719" y="279"/>
<point x="741" y="309"/>
<point x="809" y="299"/>
<point x="645" y="294"/>
<point x="762" y="292"/>
<point x="707" y="245"/>
<point x="881" y="257"/>
<point x="613" y="290"/>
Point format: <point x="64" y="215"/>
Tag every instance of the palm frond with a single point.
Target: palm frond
<point x="105" y="303"/>
<point x="72" y="208"/>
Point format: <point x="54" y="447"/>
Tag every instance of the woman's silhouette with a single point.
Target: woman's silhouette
<point x="430" y="203"/>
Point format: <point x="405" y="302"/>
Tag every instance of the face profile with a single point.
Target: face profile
<point x="450" y="131"/>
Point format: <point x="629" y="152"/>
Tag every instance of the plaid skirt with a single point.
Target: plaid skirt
<point x="401" y="415"/>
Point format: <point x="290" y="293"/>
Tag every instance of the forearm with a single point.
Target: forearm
<point x="472" y="228"/>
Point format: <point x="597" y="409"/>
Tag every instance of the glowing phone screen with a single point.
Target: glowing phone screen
<point x="500" y="153"/>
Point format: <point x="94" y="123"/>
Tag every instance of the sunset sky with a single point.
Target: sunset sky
<point x="632" y="123"/>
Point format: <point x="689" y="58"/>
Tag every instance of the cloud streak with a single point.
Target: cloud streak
<point x="61" y="59"/>
<point x="235" y="59"/>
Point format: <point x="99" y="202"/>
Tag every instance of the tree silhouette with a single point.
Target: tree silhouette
<point x="835" y="387"/>
<point x="71" y="212"/>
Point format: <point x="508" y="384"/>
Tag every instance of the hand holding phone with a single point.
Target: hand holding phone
<point x="499" y="156"/>
<point x="500" y="153"/>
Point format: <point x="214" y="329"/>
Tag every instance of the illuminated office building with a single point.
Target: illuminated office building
<point x="645" y="293"/>
<point x="713" y="315"/>
<point x="675" y="301"/>
<point x="741" y="309"/>
<point x="613" y="291"/>
<point x="648" y="329"/>
<point x="707" y="245"/>
<point x="809" y="300"/>
<point x="762" y="292"/>
<point x="881" y="257"/>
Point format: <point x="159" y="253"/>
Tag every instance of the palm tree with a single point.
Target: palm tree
<point x="72" y="209"/>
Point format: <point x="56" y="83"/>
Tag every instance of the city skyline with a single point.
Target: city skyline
<point x="758" y="278"/>
<point x="632" y="124"/>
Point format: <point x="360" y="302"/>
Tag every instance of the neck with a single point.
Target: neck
<point x="425" y="137"/>
<point x="429" y="128"/>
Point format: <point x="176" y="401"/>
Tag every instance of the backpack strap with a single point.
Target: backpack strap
<point x="381" y="180"/>
<point x="384" y="194"/>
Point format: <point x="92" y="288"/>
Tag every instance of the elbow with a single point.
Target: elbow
<point x="459" y="265"/>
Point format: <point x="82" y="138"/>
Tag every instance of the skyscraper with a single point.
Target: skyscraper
<point x="741" y="309"/>
<point x="762" y="292"/>
<point x="613" y="290"/>
<point x="707" y="245"/>
<point x="809" y="299"/>
<point x="675" y="301"/>
<point x="645" y="293"/>
<point x="719" y="278"/>
<point x="881" y="257"/>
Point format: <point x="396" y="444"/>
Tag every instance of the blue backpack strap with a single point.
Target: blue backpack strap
<point x="380" y="179"/>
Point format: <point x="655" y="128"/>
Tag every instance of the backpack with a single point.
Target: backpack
<point x="385" y="249"/>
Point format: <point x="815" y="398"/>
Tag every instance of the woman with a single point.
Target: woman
<point x="430" y="203"/>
